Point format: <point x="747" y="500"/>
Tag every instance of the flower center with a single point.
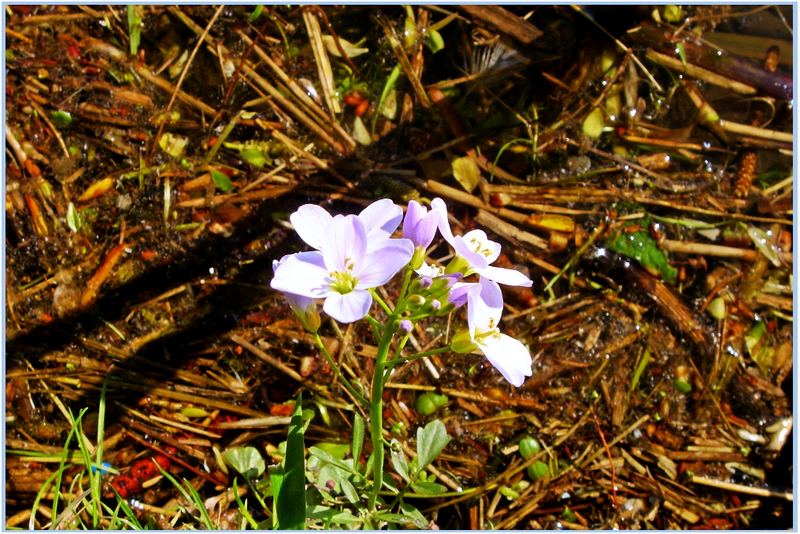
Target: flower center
<point x="479" y="246"/>
<point x="343" y="282"/>
<point x="491" y="331"/>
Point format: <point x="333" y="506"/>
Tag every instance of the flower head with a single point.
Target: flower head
<point x="345" y="267"/>
<point x="506" y="354"/>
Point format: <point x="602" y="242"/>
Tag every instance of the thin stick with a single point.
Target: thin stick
<point x="700" y="73"/>
<point x="182" y="77"/>
<point x="741" y="488"/>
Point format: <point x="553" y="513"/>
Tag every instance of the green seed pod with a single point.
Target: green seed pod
<point x="429" y="402"/>
<point x="528" y="446"/>
<point x="538" y="470"/>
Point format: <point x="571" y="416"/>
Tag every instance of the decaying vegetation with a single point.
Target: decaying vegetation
<point x="642" y="179"/>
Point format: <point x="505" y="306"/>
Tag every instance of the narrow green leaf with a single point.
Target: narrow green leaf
<point x="134" y="27"/>
<point x="435" y="41"/>
<point x="399" y="461"/>
<point x="428" y="488"/>
<point x="358" y="439"/>
<point x="387" y="88"/>
<point x="256" y="13"/>
<point x="74" y="221"/>
<point x="431" y="439"/>
<point x="291" y="499"/>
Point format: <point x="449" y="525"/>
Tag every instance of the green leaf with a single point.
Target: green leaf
<point x="681" y="51"/>
<point x="325" y="457"/>
<point x="256" y="13"/>
<point x="134" y="27"/>
<point x="428" y="488"/>
<point x="644" y="249"/>
<point x="61" y="119"/>
<point x="387" y="88"/>
<point x="358" y="439"/>
<point x="435" y="41"/>
<point x="360" y="132"/>
<point x="594" y="123"/>
<point x="336" y="450"/>
<point x="349" y="491"/>
<point x="431" y="439"/>
<point x="254" y="157"/>
<point x="399" y="461"/>
<point x="415" y="515"/>
<point x="290" y="498"/>
<point x="245" y="460"/>
<point x="673" y="13"/>
<point x="74" y="221"/>
<point x="352" y="50"/>
<point x="466" y="172"/>
<point x="221" y="181"/>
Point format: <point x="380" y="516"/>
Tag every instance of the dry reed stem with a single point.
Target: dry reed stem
<point x="700" y="73"/>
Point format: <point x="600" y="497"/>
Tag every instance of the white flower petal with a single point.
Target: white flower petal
<point x="476" y="260"/>
<point x="312" y="224"/>
<point x="438" y="205"/>
<point x="484" y="307"/>
<point x="380" y="266"/>
<point x="478" y="241"/>
<point x="382" y="217"/>
<point x="509" y="277"/>
<point x="347" y="244"/>
<point x="349" y="307"/>
<point x="301" y="274"/>
<point x="509" y="356"/>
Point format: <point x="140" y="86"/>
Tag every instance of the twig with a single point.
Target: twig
<point x="741" y="488"/>
<point x="182" y="77"/>
<point x="700" y="73"/>
<point x="323" y="62"/>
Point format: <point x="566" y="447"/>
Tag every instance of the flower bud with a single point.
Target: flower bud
<point x="425" y="282"/>
<point x="406" y="326"/>
<point x="416" y="300"/>
<point x="435" y="304"/>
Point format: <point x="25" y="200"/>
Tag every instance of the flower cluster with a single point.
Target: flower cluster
<point x="356" y="253"/>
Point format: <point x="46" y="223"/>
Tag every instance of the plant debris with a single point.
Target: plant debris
<point x="637" y="160"/>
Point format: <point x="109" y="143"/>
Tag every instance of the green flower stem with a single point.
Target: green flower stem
<point x="381" y="302"/>
<point x="346" y="383"/>
<point x="378" y="382"/>
<point x="416" y="356"/>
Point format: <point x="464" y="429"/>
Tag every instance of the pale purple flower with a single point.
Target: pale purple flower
<point x="381" y="218"/>
<point x="480" y="252"/>
<point x="506" y="354"/>
<point x="406" y="326"/>
<point x="420" y="224"/>
<point x="344" y="268"/>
